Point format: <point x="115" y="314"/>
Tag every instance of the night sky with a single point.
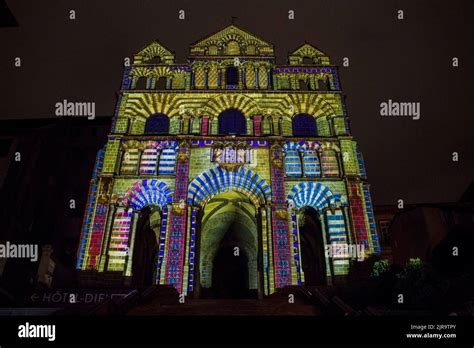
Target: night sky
<point x="404" y="60"/>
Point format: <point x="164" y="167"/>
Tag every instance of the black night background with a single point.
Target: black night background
<point x="420" y="171"/>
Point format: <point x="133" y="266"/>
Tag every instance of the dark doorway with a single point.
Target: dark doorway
<point x="145" y="249"/>
<point x="230" y="274"/>
<point x="232" y="77"/>
<point x="312" y="248"/>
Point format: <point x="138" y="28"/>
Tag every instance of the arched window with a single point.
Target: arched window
<point x="232" y="77"/>
<point x="303" y="85"/>
<point x="149" y="161"/>
<point x="212" y="50"/>
<point x="293" y="163"/>
<point x="157" y="124"/>
<point x="251" y="50"/>
<point x="304" y="125"/>
<point x="167" y="162"/>
<point x="161" y="83"/>
<point x="329" y="163"/>
<point x="154" y="60"/>
<point x="141" y="82"/>
<point x="311" y="163"/>
<point x="324" y="85"/>
<point x="130" y="161"/>
<point x="233" y="48"/>
<point x="232" y="121"/>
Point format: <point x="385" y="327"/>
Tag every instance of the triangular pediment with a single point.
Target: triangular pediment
<point x="153" y="50"/>
<point x="307" y="50"/>
<point x="232" y="40"/>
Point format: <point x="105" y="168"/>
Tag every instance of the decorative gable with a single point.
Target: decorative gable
<point x="315" y="55"/>
<point x="232" y="41"/>
<point x="154" y="53"/>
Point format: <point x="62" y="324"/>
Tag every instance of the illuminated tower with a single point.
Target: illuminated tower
<point x="227" y="165"/>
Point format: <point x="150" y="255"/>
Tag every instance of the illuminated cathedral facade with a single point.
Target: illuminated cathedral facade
<point x="226" y="176"/>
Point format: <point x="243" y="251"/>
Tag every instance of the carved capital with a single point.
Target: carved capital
<point x="281" y="214"/>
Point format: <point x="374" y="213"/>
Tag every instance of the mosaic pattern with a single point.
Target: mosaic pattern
<point x="148" y="192"/>
<point x="218" y="180"/>
<point x="314" y="195"/>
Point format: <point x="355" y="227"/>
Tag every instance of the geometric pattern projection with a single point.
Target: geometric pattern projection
<point x="314" y="195"/>
<point x="218" y="180"/>
<point x="148" y="192"/>
<point x="285" y="142"/>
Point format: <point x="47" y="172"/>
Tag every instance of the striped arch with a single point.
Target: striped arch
<point x="311" y="104"/>
<point x="245" y="104"/>
<point x="218" y="180"/>
<point x="141" y="105"/>
<point x="148" y="192"/>
<point x="312" y="194"/>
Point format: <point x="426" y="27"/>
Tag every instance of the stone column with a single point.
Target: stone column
<point x="131" y="243"/>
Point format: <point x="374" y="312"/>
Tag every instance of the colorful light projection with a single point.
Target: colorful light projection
<point x="185" y="133"/>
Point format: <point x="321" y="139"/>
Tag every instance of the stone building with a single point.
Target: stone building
<point x="228" y="175"/>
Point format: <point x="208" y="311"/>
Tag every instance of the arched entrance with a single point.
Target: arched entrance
<point x="148" y="199"/>
<point x="228" y="250"/>
<point x="312" y="247"/>
<point x="230" y="274"/>
<point x="145" y="249"/>
<point x="230" y="219"/>
<point x="318" y="215"/>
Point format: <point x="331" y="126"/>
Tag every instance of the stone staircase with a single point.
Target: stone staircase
<point x="290" y="301"/>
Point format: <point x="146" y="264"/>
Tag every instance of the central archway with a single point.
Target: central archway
<point x="229" y="204"/>
<point x="228" y="249"/>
